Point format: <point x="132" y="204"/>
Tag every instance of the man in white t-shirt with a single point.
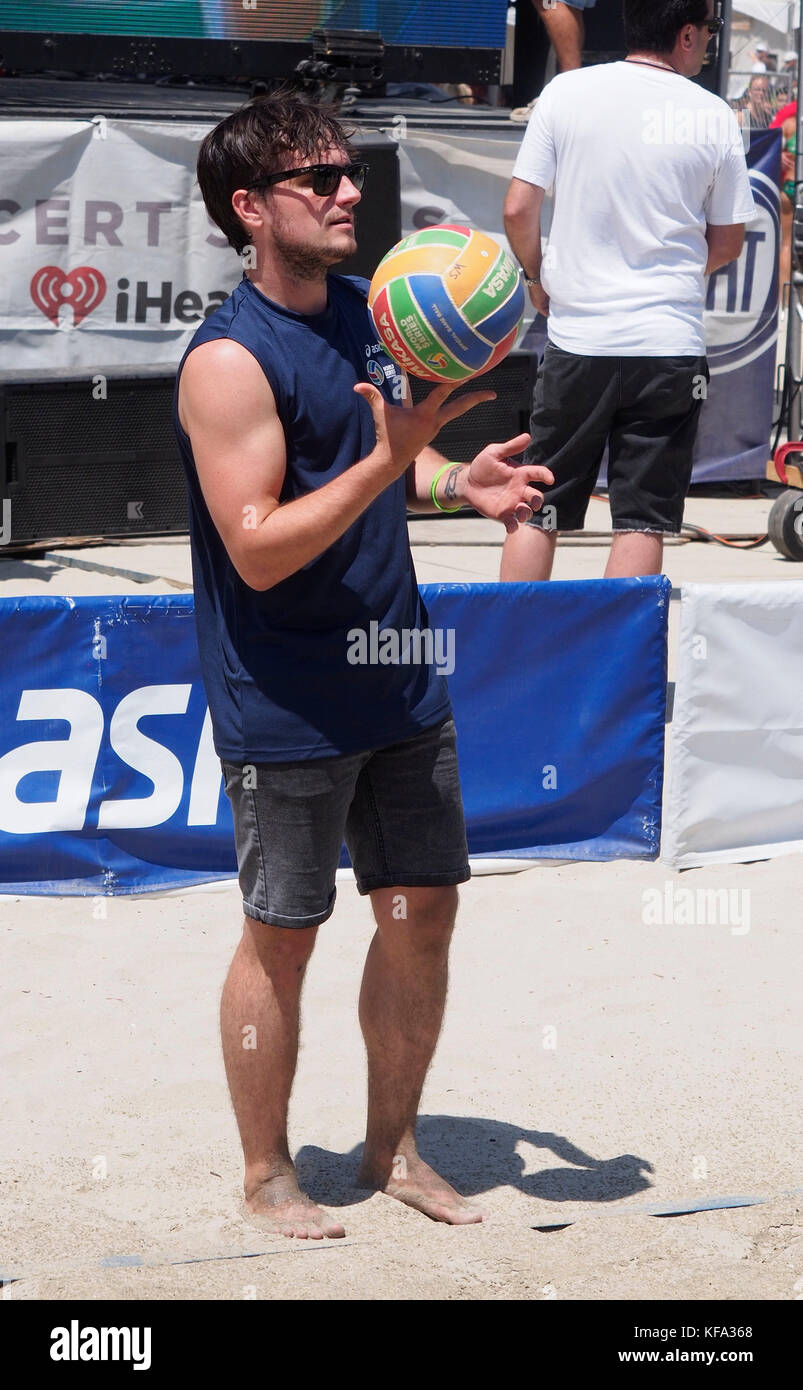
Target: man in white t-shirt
<point x="651" y="196"/>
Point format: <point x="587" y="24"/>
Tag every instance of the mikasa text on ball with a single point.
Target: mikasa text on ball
<point x="447" y="303"/>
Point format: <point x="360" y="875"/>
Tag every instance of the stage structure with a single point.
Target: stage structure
<point x="225" y="40"/>
<point x="111" y="262"/>
<point x="604" y="43"/>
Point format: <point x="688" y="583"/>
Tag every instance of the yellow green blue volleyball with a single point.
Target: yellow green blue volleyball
<point x="447" y="303"/>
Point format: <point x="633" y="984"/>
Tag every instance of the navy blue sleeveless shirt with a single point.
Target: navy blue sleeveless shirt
<point x="286" y="673"/>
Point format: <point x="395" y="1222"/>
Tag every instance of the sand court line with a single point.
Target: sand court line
<point x="289" y="1247"/>
<point x="295" y="1247"/>
<point x="669" y="1209"/>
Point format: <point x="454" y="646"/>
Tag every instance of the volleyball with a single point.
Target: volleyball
<point x="447" y="303"/>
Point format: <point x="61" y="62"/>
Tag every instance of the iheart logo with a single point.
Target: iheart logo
<point x="83" y="288"/>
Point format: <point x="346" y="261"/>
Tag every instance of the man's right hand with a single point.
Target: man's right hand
<point x="402" y="432"/>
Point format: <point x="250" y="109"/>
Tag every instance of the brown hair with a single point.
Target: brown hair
<point x="258" y="140"/>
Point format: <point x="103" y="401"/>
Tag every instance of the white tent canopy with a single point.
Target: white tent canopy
<point x="776" y="14"/>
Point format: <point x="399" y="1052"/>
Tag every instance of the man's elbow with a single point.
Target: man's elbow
<point x="249" y="562"/>
<point x="252" y="552"/>
<point x="511" y="219"/>
<point x="253" y="577"/>
<point x="734" y="249"/>
<point x="722" y="250"/>
<point x="520" y="205"/>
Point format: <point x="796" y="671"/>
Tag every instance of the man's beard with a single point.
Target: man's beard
<point x="303" y="262"/>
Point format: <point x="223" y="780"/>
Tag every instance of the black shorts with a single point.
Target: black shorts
<point x="399" y="810"/>
<point x="646" y="409"/>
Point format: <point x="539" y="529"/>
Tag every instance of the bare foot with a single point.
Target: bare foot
<point x="283" y="1208"/>
<point x="413" y="1182"/>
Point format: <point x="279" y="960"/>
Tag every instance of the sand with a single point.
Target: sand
<point x="590" y="1065"/>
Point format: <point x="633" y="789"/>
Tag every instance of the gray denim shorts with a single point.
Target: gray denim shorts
<point x="399" y="810"/>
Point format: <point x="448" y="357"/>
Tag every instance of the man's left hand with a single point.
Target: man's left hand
<point x="501" y="490"/>
<point x="539" y="299"/>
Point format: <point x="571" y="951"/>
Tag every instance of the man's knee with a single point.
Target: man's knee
<point x="428" y="913"/>
<point x="278" y="947"/>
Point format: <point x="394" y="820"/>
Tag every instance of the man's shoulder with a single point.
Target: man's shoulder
<point x="217" y="324"/>
<point x="709" y="99"/>
<point x="578" y="78"/>
<point x="572" y="90"/>
<point x="716" y="118"/>
<point x="218" y="331"/>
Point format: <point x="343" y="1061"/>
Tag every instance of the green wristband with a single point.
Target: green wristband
<point x="435" y="482"/>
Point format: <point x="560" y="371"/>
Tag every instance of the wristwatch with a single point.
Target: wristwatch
<point x="530" y="279"/>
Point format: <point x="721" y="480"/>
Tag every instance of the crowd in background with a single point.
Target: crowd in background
<point x="768" y="101"/>
<point x="758" y="95"/>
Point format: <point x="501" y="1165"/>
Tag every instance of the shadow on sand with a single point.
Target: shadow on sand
<point x="477" y="1155"/>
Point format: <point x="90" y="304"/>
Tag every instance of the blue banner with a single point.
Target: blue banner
<point x="559" y="696"/>
<point x="109" y="782"/>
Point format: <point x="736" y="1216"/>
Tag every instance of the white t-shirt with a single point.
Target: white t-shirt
<point x="641" y="159"/>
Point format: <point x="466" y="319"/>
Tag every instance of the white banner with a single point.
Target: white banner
<point x="456" y="177"/>
<point x="459" y="177"/>
<point x="735" y="788"/>
<point x="109" y="259"/>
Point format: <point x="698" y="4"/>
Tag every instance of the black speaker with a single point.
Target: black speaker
<point x="377" y="216"/>
<point x="77" y="463"/>
<point x="494" y="421"/>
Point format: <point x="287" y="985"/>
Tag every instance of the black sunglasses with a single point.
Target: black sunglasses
<point x="714" y="26"/>
<point x="325" y="177"/>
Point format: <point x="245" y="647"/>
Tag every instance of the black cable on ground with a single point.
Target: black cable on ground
<point x="699" y="533"/>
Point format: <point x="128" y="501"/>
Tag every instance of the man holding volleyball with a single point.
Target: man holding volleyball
<point x="651" y="196"/>
<point x="300" y="471"/>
